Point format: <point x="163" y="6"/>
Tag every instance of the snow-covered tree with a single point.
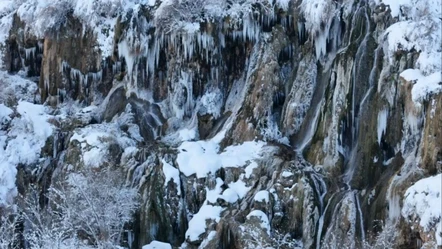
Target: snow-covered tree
<point x="86" y="210"/>
<point x="8" y="235"/>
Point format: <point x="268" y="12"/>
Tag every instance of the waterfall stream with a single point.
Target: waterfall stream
<point x="362" y="89"/>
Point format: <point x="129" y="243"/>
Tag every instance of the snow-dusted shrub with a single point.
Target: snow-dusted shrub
<point x="180" y="15"/>
<point x="86" y="209"/>
<point x="8" y="236"/>
<point x="46" y="227"/>
<point x="383" y="240"/>
<point x="186" y="15"/>
<point x="270" y="131"/>
<point x="212" y="103"/>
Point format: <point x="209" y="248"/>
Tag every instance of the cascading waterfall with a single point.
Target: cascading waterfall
<point x="360" y="96"/>
<point x="361" y="219"/>
<point x="321" y="191"/>
<point x="356" y="104"/>
<point x="358" y="101"/>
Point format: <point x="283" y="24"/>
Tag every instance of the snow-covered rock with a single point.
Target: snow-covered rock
<point x="423" y="206"/>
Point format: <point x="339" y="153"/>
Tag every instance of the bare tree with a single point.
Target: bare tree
<point x="86" y="210"/>
<point x="8" y="235"/>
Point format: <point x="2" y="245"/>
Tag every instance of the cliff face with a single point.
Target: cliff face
<point x="243" y="124"/>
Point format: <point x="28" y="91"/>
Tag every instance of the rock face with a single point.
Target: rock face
<point x="292" y="124"/>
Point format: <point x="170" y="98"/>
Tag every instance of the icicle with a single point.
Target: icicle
<point x="301" y="31"/>
<point x="321" y="44"/>
<point x="125" y="52"/>
<point x="30" y="52"/>
<point x="222" y="40"/>
<point x="116" y="68"/>
<point x="284" y="22"/>
<point x="290" y="21"/>
<point x="40" y="46"/>
<point x="382" y="124"/>
<point x="58" y="102"/>
<point x="46" y="83"/>
<point x="85" y="81"/>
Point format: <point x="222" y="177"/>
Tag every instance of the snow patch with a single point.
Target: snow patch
<point x="157" y="245"/>
<point x="188" y="134"/>
<point x="4" y="114"/>
<point x="95" y="140"/>
<point x="262" y="196"/>
<point x="419" y="29"/>
<point x="240" y="187"/>
<point x="249" y="169"/>
<point x="263" y="219"/>
<point x="424" y="86"/>
<point x="206" y="241"/>
<point x="171" y="173"/>
<point x="230" y="195"/>
<point x="203" y="157"/>
<point x="21" y="144"/>
<point x="286" y="174"/>
<point x="423" y="203"/>
<point x="197" y="225"/>
<point x="415" y="9"/>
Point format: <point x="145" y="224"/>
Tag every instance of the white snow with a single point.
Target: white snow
<point x="206" y="241"/>
<point x="24" y="130"/>
<point x="203" y="157"/>
<point x="95" y="139"/>
<point x="317" y="13"/>
<point x="6" y="6"/>
<point x="419" y="29"/>
<point x="421" y="35"/>
<point x="423" y="85"/>
<point x="188" y="134"/>
<point x="240" y="187"/>
<point x="210" y="210"/>
<point x="14" y="86"/>
<point x="197" y="225"/>
<point x="157" y="245"/>
<point x="423" y="203"/>
<point x="249" y="169"/>
<point x="283" y="4"/>
<point x="212" y="103"/>
<point x="6" y="16"/>
<point x="262" y="217"/>
<point x="404" y="9"/>
<point x="213" y="194"/>
<point x="395" y="5"/>
<point x="171" y="173"/>
<point x="36" y="118"/>
<point x="429" y="62"/>
<point x="42" y="16"/>
<point x="286" y="174"/>
<point x="230" y="195"/>
<point x="262" y="196"/>
<point x="4" y="114"/>
<point x="21" y="144"/>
